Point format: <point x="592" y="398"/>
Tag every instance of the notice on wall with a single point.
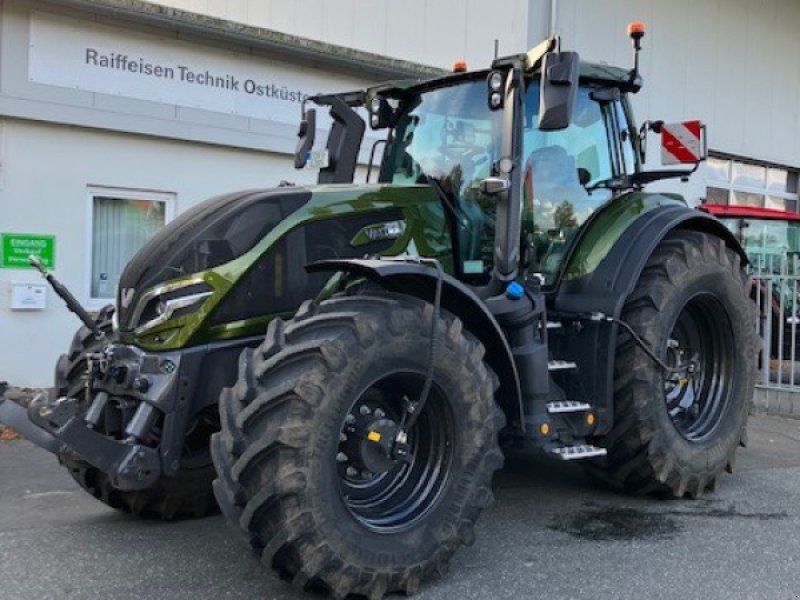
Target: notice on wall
<point x="17" y="248"/>
<point x="75" y="54"/>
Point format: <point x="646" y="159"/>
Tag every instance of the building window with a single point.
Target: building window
<point x="739" y="182"/>
<point x="121" y="222"/>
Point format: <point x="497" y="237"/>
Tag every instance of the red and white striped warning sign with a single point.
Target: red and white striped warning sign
<point x="681" y="142"/>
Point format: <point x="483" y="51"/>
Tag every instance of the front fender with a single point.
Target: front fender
<point x="417" y="280"/>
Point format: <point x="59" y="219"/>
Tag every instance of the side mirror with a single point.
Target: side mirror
<point x="559" y="89"/>
<point x="683" y="143"/>
<point x="305" y="135"/>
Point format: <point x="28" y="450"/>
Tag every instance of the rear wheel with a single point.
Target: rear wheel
<point x="187" y="494"/>
<point x="676" y="431"/>
<point x="306" y="461"/>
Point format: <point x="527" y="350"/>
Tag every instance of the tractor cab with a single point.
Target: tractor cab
<point x="521" y="155"/>
<point x="451" y="138"/>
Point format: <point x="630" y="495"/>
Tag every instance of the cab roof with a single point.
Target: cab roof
<point x="594" y="72"/>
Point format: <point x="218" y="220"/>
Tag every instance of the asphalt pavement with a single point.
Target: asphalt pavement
<point x="551" y="534"/>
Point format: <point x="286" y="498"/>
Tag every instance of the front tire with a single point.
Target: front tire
<point x="293" y="458"/>
<point x="675" y="433"/>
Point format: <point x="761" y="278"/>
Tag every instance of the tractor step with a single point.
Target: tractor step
<point x="567" y="406"/>
<point x="554" y="324"/>
<point x="560" y="365"/>
<point x="577" y="452"/>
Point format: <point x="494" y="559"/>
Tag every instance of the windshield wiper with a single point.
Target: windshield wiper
<point x="437" y="185"/>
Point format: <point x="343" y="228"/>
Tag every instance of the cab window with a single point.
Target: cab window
<point x="558" y="168"/>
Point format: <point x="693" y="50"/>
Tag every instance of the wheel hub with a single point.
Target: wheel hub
<point x="681" y="386"/>
<point x="366" y="444"/>
<point x="390" y="475"/>
<point x="375" y="449"/>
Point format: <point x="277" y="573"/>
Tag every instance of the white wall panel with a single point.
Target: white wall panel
<point x="435" y="32"/>
<point x="404" y="37"/>
<point x="733" y="63"/>
<point x="784" y="103"/>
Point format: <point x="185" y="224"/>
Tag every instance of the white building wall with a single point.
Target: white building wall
<point x="49" y="168"/>
<point x="432" y="32"/>
<point x="735" y="64"/>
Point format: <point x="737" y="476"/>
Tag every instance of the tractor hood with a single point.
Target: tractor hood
<point x="240" y="257"/>
<point x="208" y="235"/>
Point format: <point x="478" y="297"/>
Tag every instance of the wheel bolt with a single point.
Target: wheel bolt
<point x="364" y="410"/>
<point x="379" y="413"/>
<point x="341" y="457"/>
<point x="352" y="471"/>
<point x="366" y="474"/>
<point x="342" y="437"/>
<point x="349" y="419"/>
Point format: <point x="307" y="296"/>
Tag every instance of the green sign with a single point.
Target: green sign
<point x="17" y="247"/>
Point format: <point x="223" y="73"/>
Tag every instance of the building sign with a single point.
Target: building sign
<point x="88" y="56"/>
<point x="15" y="248"/>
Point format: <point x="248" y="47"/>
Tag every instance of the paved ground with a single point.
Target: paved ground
<point x="552" y="534"/>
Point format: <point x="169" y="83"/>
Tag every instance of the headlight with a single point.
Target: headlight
<point x="165" y="302"/>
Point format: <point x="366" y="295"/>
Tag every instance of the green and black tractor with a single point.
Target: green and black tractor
<point x="359" y="355"/>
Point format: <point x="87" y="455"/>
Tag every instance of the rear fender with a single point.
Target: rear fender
<point x="417" y="280"/>
<point x="608" y="286"/>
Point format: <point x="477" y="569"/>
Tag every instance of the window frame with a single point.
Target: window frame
<point x="764" y="191"/>
<point x="169" y="199"/>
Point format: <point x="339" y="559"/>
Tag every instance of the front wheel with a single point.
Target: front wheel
<point x="675" y="431"/>
<point x="305" y="459"/>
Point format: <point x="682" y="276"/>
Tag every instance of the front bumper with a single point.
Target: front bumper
<point x="57" y="427"/>
<point x="160" y="392"/>
<point x="146" y="384"/>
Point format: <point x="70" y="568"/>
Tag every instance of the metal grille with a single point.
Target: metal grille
<point x="774" y="288"/>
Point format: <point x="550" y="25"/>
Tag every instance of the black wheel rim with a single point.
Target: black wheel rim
<point x="701" y="350"/>
<point x="396" y="499"/>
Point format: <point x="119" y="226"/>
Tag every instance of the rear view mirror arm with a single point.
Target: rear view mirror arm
<point x="633" y="180"/>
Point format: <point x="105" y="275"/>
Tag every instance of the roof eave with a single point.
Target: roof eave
<point x="290" y="46"/>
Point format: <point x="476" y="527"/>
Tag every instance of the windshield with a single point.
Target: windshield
<point x="559" y="166"/>
<point x="449" y="138"/>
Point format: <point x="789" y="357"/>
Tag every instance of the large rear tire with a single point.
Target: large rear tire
<point x="675" y="433"/>
<point x="187" y="494"/>
<point x="317" y="498"/>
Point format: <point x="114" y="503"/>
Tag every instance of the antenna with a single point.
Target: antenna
<point x="496" y="48"/>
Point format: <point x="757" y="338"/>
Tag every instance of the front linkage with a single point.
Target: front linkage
<point x="140" y="384"/>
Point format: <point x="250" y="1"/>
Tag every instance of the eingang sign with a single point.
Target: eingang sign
<point x="88" y="56"/>
<point x="16" y="248"/>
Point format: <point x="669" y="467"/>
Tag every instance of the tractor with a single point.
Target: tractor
<point x="360" y="355"/>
